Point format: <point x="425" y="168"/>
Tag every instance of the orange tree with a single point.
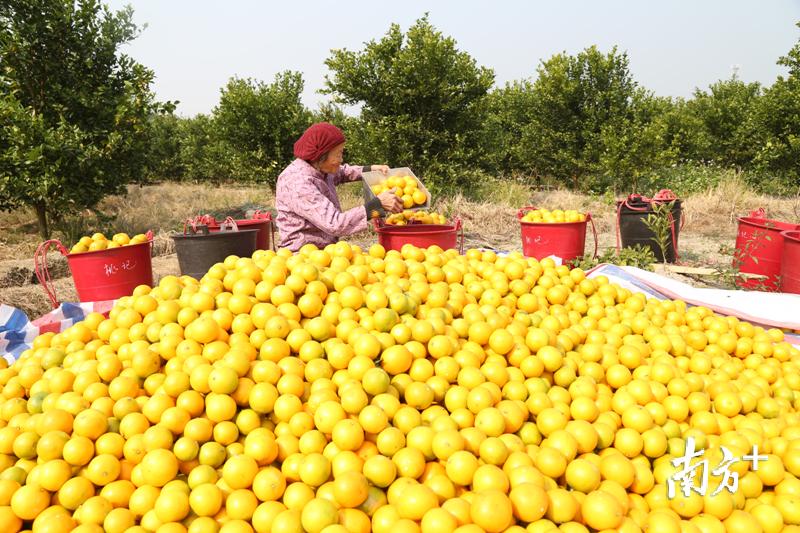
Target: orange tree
<point x="423" y="103"/>
<point x="779" y="115"/>
<point x="73" y="109"/>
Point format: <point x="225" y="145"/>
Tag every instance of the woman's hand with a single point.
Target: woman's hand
<point x="390" y="201"/>
<point x="383" y="169"/>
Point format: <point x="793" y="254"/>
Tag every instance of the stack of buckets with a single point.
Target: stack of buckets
<point x="769" y="248"/>
<point x="206" y="241"/>
<point x="199" y="249"/>
<point x="265" y="239"/>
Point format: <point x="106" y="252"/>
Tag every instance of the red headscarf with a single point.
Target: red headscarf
<point x="317" y="140"/>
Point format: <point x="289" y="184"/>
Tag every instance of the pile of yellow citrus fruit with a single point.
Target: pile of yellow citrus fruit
<point x="342" y="390"/>
<point x="412" y="217"/>
<point x="545" y="216"/>
<point x="98" y="241"/>
<point x="405" y="187"/>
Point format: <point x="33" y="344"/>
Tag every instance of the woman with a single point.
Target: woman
<point x="305" y="195"/>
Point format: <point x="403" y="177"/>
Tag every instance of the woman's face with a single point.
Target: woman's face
<point x="334" y="160"/>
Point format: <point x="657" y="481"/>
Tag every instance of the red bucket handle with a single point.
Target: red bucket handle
<point x="149" y="235"/>
<point x="594" y="233"/>
<point x="41" y="270"/>
<point x="194" y="223"/>
<point x="460" y="236"/>
<point x="758" y="213"/>
<point x="664" y="196"/>
<point x="523" y="210"/>
<point x="378" y="223"/>
<point x="197" y="225"/>
<point x="635" y="198"/>
<point x="200" y="220"/>
<point x="229" y="224"/>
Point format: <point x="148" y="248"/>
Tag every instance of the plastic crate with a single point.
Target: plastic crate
<point x="374" y="177"/>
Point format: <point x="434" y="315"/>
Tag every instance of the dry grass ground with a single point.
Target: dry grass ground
<point x="710" y="224"/>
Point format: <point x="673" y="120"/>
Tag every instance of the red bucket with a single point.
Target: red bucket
<point x="102" y="274"/>
<point x="790" y="267"/>
<point x="759" y="249"/>
<point x="265" y="239"/>
<point x="446" y="236"/>
<point x="565" y="240"/>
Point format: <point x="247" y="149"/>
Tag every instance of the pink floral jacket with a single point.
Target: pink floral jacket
<point x="308" y="207"/>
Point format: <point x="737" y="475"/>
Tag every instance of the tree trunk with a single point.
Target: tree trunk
<point x="41" y="215"/>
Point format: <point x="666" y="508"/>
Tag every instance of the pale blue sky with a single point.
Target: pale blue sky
<point x="194" y="46"/>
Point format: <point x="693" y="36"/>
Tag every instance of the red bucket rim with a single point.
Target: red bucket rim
<point x="584" y="221"/>
<point x="97" y="252"/>
<point x="775" y="225"/>
<point x="213" y="234"/>
<point x="524" y="210"/>
<point x="242" y="222"/>
<point x="382" y="227"/>
<point x="259" y="217"/>
<point x="792" y="235"/>
<point x="427" y="229"/>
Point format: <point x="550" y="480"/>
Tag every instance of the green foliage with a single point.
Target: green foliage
<point x="249" y="136"/>
<point x="660" y="223"/>
<point x="73" y="109"/>
<point x="422" y="101"/>
<point x="258" y="124"/>
<point x="77" y="119"/>
<point x="637" y="256"/>
<point x="585" y="122"/>
<point x="163" y="148"/>
<point x="72" y="227"/>
<point x="330" y="112"/>
<point x="779" y="111"/>
<point x="779" y="114"/>
<point x="634" y="145"/>
<point x="576" y="102"/>
<point x="509" y="112"/>
<point x="684" y="137"/>
<point x="684" y="179"/>
<point x="203" y="152"/>
<point x="728" y="119"/>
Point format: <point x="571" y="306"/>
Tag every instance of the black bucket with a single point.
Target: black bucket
<point x="198" y="251"/>
<point x="631" y="216"/>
